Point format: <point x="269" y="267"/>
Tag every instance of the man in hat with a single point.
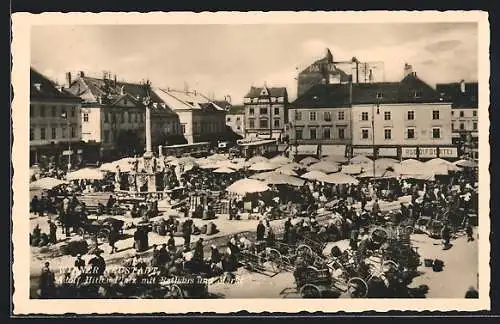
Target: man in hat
<point x="163" y="255"/>
<point x="112" y="238"/>
<point x="261" y="230"/>
<point x="79" y="263"/>
<point x="97" y="263"/>
<point x="171" y="243"/>
<point x="198" y="251"/>
<point x="47" y="282"/>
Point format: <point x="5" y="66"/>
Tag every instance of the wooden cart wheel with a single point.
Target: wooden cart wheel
<point x="275" y="260"/>
<point x="357" y="288"/>
<point x="103" y="234"/>
<point x="304" y="250"/>
<point x="174" y="292"/>
<point x="310" y="291"/>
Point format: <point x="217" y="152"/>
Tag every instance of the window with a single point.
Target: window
<point x="298" y="134"/>
<point x="263" y="111"/>
<point x="326" y="133"/>
<point x="251" y="111"/>
<point x="238" y="119"/>
<point x="276" y="123"/>
<point x="452" y="126"/>
<point x="142" y="117"/>
<point x="364" y="115"/>
<point x="125" y="101"/>
<point x="298" y="115"/>
<point x="53" y="133"/>
<point x="411" y="115"/>
<point x="183" y="128"/>
<point x="327" y="116"/>
<point x="63" y="135"/>
<point x="452" y="113"/>
<point x="474" y="126"/>
<point x="387" y="134"/>
<point x="387" y="115"/>
<point x="129" y="116"/>
<point x="263" y="123"/>
<point x="380" y="95"/>
<point x="86" y="117"/>
<point x="410" y="133"/>
<point x="461" y="114"/>
<point x="474" y="113"/>
<point x="42" y="111"/>
<point x="228" y="119"/>
<point x="364" y="134"/>
<point x="136" y="117"/>
<point x="42" y="133"/>
<point x="341" y="133"/>
<point x="436" y="133"/>
<point x="73" y="132"/>
<point x="122" y="117"/>
<point x="341" y="115"/>
<point x="312" y="133"/>
<point x="32" y="134"/>
<point x="312" y="115"/>
<point x="417" y="93"/>
<point x="32" y="111"/>
<point x="113" y="117"/>
<point x="277" y="111"/>
<point x="106" y="136"/>
<point x="54" y="111"/>
<point x="251" y="123"/>
<point x="73" y="111"/>
<point x="462" y="126"/>
<point x="435" y="114"/>
<point x="63" y="112"/>
<point x="106" y="117"/>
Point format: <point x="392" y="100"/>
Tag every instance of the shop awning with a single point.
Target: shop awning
<point x="275" y="135"/>
<point x="336" y="150"/>
<point x="306" y="150"/>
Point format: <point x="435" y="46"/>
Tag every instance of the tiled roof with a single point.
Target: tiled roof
<point x="337" y="95"/>
<point x="186" y="100"/>
<point x="236" y="110"/>
<point x="43" y="88"/>
<point x="451" y="92"/>
<point x="223" y="104"/>
<point x="273" y="92"/>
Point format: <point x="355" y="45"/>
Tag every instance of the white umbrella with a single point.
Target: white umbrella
<point x="466" y="163"/>
<point x="449" y="166"/>
<point x="314" y="175"/>
<point x="257" y="159"/>
<point x="335" y="158"/>
<point x="47" y="183"/>
<point x="224" y="170"/>
<point x="324" y="166"/>
<point x="280" y="160"/>
<point x="169" y="158"/>
<point x="286" y="170"/>
<point x="283" y="179"/>
<point x="86" y="173"/>
<point x="263" y="166"/>
<point x="385" y="163"/>
<point x="360" y="159"/>
<point x="411" y="162"/>
<point x="308" y="160"/>
<point x="340" y="178"/>
<point x="352" y="169"/>
<point x="262" y="175"/>
<point x="244" y="186"/>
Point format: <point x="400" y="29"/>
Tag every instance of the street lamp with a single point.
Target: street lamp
<point x="373" y="133"/>
<point x="64" y="115"/>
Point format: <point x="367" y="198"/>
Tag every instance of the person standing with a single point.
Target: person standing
<point x="261" y="230"/>
<point x="112" y="238"/>
<point x="446" y="236"/>
<point x="186" y="233"/>
<point x="469" y="232"/>
<point x="47" y="282"/>
<point x="198" y="251"/>
<point x="171" y="243"/>
<point x="52" y="232"/>
<point x="79" y="262"/>
<point x="97" y="264"/>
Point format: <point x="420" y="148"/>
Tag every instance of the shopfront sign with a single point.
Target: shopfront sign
<point x="409" y="152"/>
<point x="362" y="151"/>
<point x="448" y="152"/>
<point x="427" y="152"/>
<point x="388" y="151"/>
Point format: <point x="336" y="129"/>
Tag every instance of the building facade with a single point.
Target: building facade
<point x="235" y="119"/>
<point x="113" y="117"/>
<point x="406" y="119"/>
<point x="266" y="112"/>
<point x="200" y="118"/>
<point x="55" y="129"/>
<point x="464" y="115"/>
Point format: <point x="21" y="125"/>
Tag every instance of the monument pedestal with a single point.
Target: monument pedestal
<point x="151" y="175"/>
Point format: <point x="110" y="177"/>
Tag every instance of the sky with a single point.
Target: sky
<point x="220" y="60"/>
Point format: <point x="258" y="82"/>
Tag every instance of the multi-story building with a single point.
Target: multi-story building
<point x="266" y="112"/>
<point x="407" y="119"/>
<point x="55" y="130"/>
<point x="113" y="116"/>
<point x="201" y="119"/>
<point x="464" y="115"/>
<point x="235" y="119"/>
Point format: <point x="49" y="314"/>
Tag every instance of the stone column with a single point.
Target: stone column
<point x="148" y="155"/>
<point x="148" y="129"/>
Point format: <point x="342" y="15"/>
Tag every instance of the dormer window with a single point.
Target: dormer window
<point x="264" y="92"/>
<point x="417" y="93"/>
<point x="380" y="95"/>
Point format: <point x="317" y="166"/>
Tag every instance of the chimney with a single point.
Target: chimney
<point x="462" y="86"/>
<point x="115" y="80"/>
<point x="82" y="74"/>
<point x="408" y="70"/>
<point x="68" y="79"/>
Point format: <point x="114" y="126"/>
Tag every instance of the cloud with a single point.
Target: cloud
<point x="445" y="45"/>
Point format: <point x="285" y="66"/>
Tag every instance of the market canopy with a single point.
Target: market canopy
<point x="280" y="160"/>
<point x="324" y="166"/>
<point x="262" y="175"/>
<point x="386" y="163"/>
<point x="314" y="175"/>
<point x="409" y="162"/>
<point x="224" y="170"/>
<point x="286" y="170"/>
<point x="85" y="173"/>
<point x="466" y="164"/>
<point x="335" y="158"/>
<point x="352" y="169"/>
<point x="379" y="173"/>
<point x="244" y="186"/>
<point x="257" y="159"/>
<point x="47" y="183"/>
<point x="360" y="159"/>
<point x="449" y="166"/>
<point x="263" y="166"/>
<point x="283" y="179"/>
<point x="308" y="160"/>
<point x="340" y="178"/>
